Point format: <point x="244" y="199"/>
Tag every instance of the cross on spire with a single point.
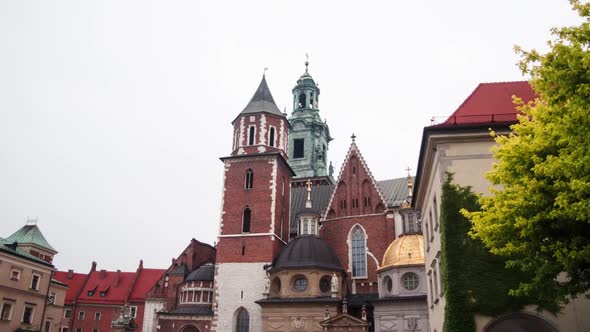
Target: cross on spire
<point x="306" y="61"/>
<point x="353" y="137"/>
<point x="308" y="185"/>
<point x="408" y="169"/>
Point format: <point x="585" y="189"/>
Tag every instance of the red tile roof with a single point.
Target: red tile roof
<point x="146" y="279"/>
<point x="115" y="284"/>
<point x="491" y="103"/>
<point x="75" y="284"/>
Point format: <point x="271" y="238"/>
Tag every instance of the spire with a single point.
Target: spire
<point x="262" y="100"/>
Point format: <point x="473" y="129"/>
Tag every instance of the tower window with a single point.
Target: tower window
<point x="298" y="148"/>
<point x="246" y="220"/>
<point x="302" y="100"/>
<point x="251" y="133"/>
<point x="271" y="137"/>
<point x="249" y="180"/>
<point x="243" y="320"/>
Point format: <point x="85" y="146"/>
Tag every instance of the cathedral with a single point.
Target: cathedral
<point x="298" y="248"/>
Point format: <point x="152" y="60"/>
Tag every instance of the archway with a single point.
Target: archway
<point x="520" y="323"/>
<point x="189" y="328"/>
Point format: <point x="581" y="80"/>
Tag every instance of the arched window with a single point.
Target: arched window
<point x="358" y="253"/>
<point x="302" y="100"/>
<point x="242" y="321"/>
<point x="249" y="180"/>
<point x="271" y="136"/>
<point x="246" y="220"/>
<point x="251" y="133"/>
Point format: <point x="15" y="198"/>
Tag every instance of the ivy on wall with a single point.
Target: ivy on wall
<point x="474" y="280"/>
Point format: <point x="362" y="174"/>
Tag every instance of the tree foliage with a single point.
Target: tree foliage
<point x="538" y="215"/>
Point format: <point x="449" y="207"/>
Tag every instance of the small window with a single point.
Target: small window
<point x="64" y="329"/>
<point x="325" y="284"/>
<point x="410" y="281"/>
<point x="47" y="325"/>
<point x="251" y="133"/>
<point x="28" y="314"/>
<point x="15" y="274"/>
<point x="133" y="311"/>
<point x="6" y="311"/>
<point x="79" y="329"/>
<point x="97" y="315"/>
<point x="300" y="284"/>
<point x="388" y="283"/>
<point x="91" y="293"/>
<point x="271" y="137"/>
<point x="298" y="148"/>
<point x="95" y="330"/>
<point x="249" y="180"/>
<point x="35" y="281"/>
<point x="246" y="220"/>
<point x="68" y="313"/>
<point x="81" y="315"/>
<point x="103" y="293"/>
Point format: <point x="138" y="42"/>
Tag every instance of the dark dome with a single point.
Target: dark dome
<point x="308" y="251"/>
<point x="203" y="273"/>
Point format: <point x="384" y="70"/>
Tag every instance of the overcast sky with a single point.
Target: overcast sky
<point x="113" y="114"/>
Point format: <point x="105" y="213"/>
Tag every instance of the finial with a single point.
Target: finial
<point x="409" y="169"/>
<point x="306" y="62"/>
<point x="344" y="306"/>
<point x="353" y="137"/>
<point x="264" y="71"/>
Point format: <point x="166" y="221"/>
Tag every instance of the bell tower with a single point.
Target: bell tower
<point x="254" y="223"/>
<point x="309" y="136"/>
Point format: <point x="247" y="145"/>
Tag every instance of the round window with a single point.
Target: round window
<point x="325" y="284"/>
<point x="410" y="281"/>
<point x="300" y="284"/>
<point x="388" y="283"/>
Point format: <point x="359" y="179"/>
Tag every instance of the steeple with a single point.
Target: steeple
<point x="309" y="135"/>
<point x="262" y="101"/>
<point x="260" y="127"/>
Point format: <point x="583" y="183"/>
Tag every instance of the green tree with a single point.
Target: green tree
<point x="538" y="215"/>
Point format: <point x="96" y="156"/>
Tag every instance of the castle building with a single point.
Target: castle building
<point x="461" y="145"/>
<point x="102" y="300"/>
<point x="298" y="251"/>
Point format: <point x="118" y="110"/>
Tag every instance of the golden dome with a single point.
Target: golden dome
<point x="405" y="250"/>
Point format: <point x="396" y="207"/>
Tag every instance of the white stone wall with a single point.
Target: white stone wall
<point x="231" y="280"/>
<point x="400" y="316"/>
<point x="150" y="318"/>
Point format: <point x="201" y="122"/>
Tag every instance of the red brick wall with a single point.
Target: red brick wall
<point x="355" y="183"/>
<point x="259" y="199"/>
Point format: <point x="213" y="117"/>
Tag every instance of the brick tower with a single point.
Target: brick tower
<point x="254" y="223"/>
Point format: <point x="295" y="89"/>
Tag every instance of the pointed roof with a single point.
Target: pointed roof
<point x="262" y="101"/>
<point x="354" y="149"/>
<point x="491" y="102"/>
<point x="31" y="234"/>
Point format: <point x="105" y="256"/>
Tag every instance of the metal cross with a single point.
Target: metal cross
<point x="353" y="137"/>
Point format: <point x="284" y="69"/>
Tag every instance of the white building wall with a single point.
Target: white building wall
<point x="150" y="318"/>
<point x="238" y="285"/>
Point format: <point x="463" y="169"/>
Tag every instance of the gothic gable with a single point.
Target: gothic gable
<point x="356" y="191"/>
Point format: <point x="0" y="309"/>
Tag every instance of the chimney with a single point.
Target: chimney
<point x="118" y="278"/>
<point x="70" y="274"/>
<point x="140" y="265"/>
<point x="103" y="274"/>
<point x="93" y="268"/>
